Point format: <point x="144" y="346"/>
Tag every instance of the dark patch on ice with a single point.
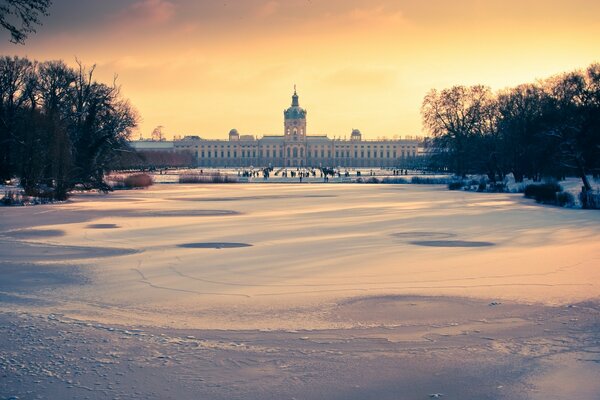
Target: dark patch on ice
<point x="35" y="233"/>
<point x="25" y="251"/>
<point x="103" y="226"/>
<point x="30" y="278"/>
<point x="214" y="245"/>
<point x="451" y="243"/>
<point x="421" y="234"/>
<point x="246" y="198"/>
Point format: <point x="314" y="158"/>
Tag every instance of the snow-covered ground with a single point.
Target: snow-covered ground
<point x="356" y="277"/>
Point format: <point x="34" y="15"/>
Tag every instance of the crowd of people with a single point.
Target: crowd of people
<point x="302" y="174"/>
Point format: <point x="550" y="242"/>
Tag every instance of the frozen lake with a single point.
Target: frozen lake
<point x="323" y="263"/>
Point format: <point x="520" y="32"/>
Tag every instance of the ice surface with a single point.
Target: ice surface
<point x="333" y="299"/>
<point x="311" y="245"/>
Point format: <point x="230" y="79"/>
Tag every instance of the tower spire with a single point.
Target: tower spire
<point x="295" y="102"/>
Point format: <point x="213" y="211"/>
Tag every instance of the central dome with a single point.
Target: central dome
<point x="295" y="111"/>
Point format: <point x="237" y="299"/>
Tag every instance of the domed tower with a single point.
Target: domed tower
<point x="295" y="120"/>
<point x="234" y="135"/>
<point x="356" y="136"/>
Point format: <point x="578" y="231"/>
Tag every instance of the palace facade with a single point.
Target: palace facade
<point x="295" y="148"/>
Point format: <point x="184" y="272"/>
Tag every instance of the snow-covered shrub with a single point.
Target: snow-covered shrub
<point x="389" y="179"/>
<point x="590" y="199"/>
<point x="429" y="181"/>
<point x="457" y="185"/>
<point x="498" y="187"/>
<point x="565" y="199"/>
<point x="543" y="192"/>
<point x="10" y="198"/>
<point x="116" y="181"/>
<point x="138" y="181"/>
<point x="19" y="198"/>
<point x="211" y="177"/>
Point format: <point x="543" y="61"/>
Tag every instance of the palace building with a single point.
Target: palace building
<point x="295" y="148"/>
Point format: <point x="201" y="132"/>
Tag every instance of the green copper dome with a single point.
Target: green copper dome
<point x="295" y="111"/>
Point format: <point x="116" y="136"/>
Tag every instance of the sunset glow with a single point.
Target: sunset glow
<point x="204" y="67"/>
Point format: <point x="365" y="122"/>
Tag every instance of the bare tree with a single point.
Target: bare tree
<point x="520" y="126"/>
<point x="101" y="124"/>
<point x="15" y="88"/>
<point x="453" y="116"/>
<point x="574" y="119"/>
<point x="19" y="17"/>
<point x="157" y="134"/>
<point x="59" y="128"/>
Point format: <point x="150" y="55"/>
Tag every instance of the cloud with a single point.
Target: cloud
<point x="376" y="14"/>
<point x="149" y="12"/>
<point x="362" y="77"/>
<point x="267" y="9"/>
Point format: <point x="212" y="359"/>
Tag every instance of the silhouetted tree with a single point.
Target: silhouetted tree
<point x="100" y="124"/>
<point x="454" y="116"/>
<point x="15" y="91"/>
<point x="550" y="128"/>
<point x="520" y="126"/>
<point x="573" y="119"/>
<point x="19" y="17"/>
<point x="58" y="127"/>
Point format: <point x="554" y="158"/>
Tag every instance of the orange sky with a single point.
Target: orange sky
<point x="204" y="67"/>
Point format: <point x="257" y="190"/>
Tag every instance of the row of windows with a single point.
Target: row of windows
<point x="295" y="153"/>
<point x="309" y="148"/>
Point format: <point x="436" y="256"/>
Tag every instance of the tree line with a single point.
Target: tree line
<point x="59" y="127"/>
<point x="549" y="128"/>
